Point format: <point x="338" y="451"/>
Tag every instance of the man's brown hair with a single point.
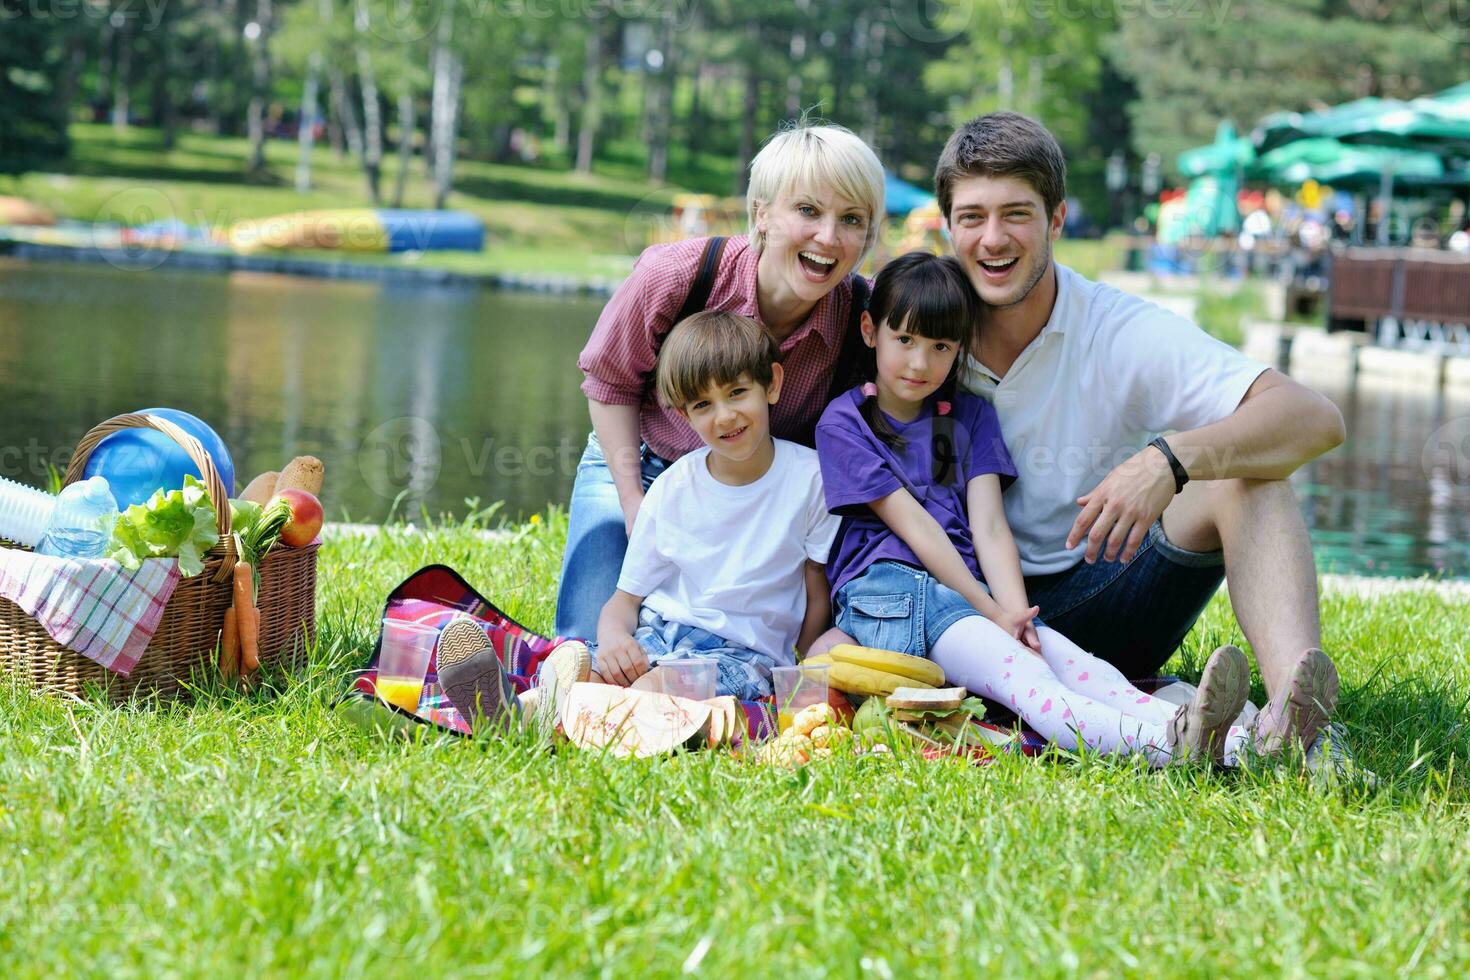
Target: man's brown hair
<point x="1002" y="144"/>
<point x="712" y="348"/>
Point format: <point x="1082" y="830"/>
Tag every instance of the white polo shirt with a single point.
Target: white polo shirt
<point x="1107" y="373"/>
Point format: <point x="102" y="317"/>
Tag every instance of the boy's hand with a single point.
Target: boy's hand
<point x="622" y="661"/>
<point x="1018" y="623"/>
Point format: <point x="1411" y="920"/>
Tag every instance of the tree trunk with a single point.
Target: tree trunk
<point x="260" y="80"/>
<point x="345" y="113"/>
<point x="122" y="77"/>
<point x="793" y="79"/>
<point x="306" y="126"/>
<point x="661" y="106"/>
<point x="749" y="108"/>
<point x="447" y="76"/>
<point x="405" y="145"/>
<point x="372" y="111"/>
<point x="591" y="101"/>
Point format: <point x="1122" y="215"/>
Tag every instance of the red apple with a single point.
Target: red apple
<point x="306" y="517"/>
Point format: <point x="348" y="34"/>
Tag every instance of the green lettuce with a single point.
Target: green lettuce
<point x="176" y="523"/>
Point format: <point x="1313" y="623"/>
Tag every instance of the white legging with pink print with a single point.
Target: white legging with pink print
<point x="1069" y="696"/>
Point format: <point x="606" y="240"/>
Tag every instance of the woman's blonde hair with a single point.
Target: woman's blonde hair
<point x="805" y="156"/>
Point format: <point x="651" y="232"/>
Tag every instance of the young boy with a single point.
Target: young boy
<point x="727" y="555"/>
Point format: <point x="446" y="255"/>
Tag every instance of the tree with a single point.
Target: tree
<point x="32" y="118"/>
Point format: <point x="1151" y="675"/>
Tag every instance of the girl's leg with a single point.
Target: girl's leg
<point x="979" y="655"/>
<point x="1100" y="680"/>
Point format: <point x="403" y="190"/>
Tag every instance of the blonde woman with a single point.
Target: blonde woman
<point x="814" y="206"/>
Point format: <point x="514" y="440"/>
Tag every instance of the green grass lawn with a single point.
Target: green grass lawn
<point x="261" y="834"/>
<point x="539" y="220"/>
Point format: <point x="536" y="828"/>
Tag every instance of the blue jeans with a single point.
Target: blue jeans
<point x="1134" y="616"/>
<point x="597" y="538"/>
<point x="893" y="606"/>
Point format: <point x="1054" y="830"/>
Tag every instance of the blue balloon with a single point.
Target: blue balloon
<point x="138" y="462"/>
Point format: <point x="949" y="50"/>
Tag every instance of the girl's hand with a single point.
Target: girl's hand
<point x="1018" y="623"/>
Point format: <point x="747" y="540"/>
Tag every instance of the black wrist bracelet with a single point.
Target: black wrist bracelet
<point x="1180" y="476"/>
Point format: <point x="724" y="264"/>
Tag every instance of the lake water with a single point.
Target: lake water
<point x="419" y="398"/>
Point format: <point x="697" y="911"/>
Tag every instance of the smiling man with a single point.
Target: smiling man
<point x="1153" y="459"/>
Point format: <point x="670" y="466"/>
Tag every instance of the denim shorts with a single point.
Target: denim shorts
<point x="893" y="606"/>
<point x="743" y="673"/>
<point x="1132" y="615"/>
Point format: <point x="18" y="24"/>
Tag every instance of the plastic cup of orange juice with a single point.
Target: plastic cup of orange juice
<point x="403" y="661"/>
<point x="796" y="688"/>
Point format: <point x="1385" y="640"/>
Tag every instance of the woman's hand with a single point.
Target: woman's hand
<point x="630" y="512"/>
<point x="1018" y="623"/>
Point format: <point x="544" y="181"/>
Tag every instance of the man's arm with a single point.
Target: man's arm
<point x="818" y="606"/>
<point x="1278" y="425"/>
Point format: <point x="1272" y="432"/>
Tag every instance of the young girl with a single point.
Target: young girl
<point x="924" y="562"/>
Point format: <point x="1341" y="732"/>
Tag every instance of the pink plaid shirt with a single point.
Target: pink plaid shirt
<point x="620" y="356"/>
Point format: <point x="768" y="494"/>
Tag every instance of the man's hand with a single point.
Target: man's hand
<point x="621" y="662"/>
<point x="1017" y="622"/>
<point x="1119" y="511"/>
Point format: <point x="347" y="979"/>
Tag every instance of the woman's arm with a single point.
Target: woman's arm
<point x="995" y="548"/>
<point x="918" y="529"/>
<point x="617" y="428"/>
<point x="818" y="606"/>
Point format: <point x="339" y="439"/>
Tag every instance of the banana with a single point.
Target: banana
<point x="855" y="679"/>
<point x="914" y="668"/>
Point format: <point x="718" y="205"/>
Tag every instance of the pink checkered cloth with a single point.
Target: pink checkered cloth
<point x="95" y="607"/>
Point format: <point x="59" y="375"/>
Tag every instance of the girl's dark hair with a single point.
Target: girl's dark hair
<point x="928" y="295"/>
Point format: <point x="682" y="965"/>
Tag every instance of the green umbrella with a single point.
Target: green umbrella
<point x="1221" y="158"/>
<point x="1328" y="161"/>
<point x="1285" y="127"/>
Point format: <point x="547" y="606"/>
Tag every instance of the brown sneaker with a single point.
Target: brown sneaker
<point x="471" y="674"/>
<point x="1300" y="710"/>
<point x="1199" y="728"/>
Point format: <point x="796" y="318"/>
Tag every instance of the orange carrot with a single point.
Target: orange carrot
<point x="246" y="619"/>
<point x="229" y="645"/>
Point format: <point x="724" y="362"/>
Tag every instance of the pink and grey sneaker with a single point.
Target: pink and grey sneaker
<point x="471" y="674"/>
<point x="1301" y="710"/>
<point x="1199" y="727"/>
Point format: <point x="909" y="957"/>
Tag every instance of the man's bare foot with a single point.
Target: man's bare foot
<point x="1300" y="710"/>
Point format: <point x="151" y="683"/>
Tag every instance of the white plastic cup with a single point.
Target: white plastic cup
<point x="403" y="661"/>
<point x="694" y="678"/>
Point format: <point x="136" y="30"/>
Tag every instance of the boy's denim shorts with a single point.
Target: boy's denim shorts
<point x="1134" y="616"/>
<point x="893" y="606"/>
<point x="744" y="674"/>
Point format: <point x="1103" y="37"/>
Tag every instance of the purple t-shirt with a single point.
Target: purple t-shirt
<point x="941" y="455"/>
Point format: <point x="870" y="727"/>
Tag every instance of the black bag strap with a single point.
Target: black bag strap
<point x="704" y="282"/>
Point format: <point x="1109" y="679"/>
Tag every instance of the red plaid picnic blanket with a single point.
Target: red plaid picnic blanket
<point x="93" y="606"/>
<point x="436" y="594"/>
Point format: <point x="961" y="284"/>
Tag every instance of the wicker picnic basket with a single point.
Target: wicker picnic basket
<point x="187" y="636"/>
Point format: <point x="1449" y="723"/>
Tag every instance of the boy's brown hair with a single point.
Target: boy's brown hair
<point x="712" y="348"/>
<point x="1002" y="144"/>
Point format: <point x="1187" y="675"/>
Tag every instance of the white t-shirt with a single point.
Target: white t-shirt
<point x="731" y="560"/>
<point x="1107" y="373"/>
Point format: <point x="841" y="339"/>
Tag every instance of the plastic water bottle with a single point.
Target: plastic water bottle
<point x="24" y="512"/>
<point x="81" y="525"/>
